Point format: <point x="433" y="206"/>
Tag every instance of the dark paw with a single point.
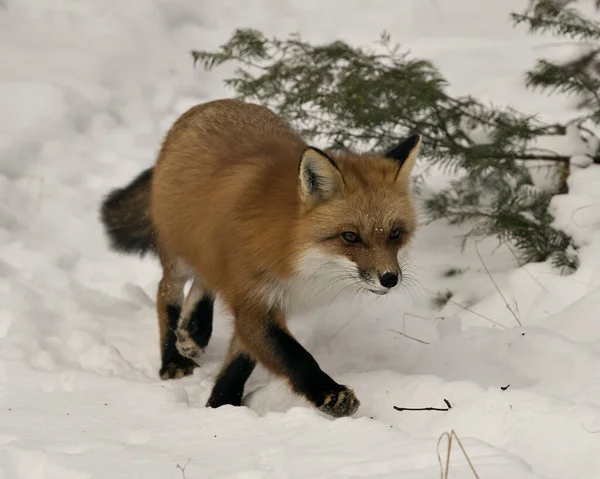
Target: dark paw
<point x="177" y="368"/>
<point x="340" y="403"/>
<point x="229" y="400"/>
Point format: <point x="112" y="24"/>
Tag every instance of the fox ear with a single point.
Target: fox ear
<point x="405" y="154"/>
<point x="319" y="176"/>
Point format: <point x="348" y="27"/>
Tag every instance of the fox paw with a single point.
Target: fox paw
<point x="177" y="368"/>
<point x="186" y="345"/>
<point x="340" y="403"/>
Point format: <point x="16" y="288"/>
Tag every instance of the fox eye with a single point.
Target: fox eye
<point x="350" y="237"/>
<point x="395" y="234"/>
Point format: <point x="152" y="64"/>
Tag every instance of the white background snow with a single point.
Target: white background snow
<point x="87" y="89"/>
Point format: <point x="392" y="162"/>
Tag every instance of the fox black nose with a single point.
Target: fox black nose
<point x="388" y="280"/>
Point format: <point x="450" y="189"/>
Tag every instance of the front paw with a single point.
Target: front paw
<point x="186" y="345"/>
<point x="340" y="403"/>
<point x="177" y="368"/>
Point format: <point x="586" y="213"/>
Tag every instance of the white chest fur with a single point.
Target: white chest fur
<point x="320" y="280"/>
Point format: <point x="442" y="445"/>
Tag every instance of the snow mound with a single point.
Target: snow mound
<point x="88" y="89"/>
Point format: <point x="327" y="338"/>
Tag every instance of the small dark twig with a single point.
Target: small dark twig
<point x="449" y="406"/>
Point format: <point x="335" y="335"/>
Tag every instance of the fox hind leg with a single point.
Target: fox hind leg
<point x="195" y="325"/>
<point x="169" y="301"/>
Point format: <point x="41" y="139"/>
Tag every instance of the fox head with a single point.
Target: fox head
<point x="357" y="215"/>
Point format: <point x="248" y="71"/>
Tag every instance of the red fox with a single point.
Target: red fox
<point x="240" y="205"/>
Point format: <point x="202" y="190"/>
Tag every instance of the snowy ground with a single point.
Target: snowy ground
<point x="87" y="89"/>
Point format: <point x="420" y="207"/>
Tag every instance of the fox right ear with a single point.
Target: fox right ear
<point x="319" y="176"/>
<point x="405" y="155"/>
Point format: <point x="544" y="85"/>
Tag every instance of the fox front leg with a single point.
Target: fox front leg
<point x="267" y="339"/>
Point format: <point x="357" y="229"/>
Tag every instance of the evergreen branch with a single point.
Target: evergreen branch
<point x="531" y="157"/>
<point x="555" y="17"/>
<point x="353" y="98"/>
<point x="563" y="79"/>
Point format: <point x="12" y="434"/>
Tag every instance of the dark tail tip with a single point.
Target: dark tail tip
<point x="125" y="214"/>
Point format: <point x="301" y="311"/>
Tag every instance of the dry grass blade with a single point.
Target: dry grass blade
<point x="496" y="285"/>
<point x="408" y="336"/>
<point x="527" y="270"/>
<point x="477" y="314"/>
<point x="444" y="471"/>
<point x="590" y="430"/>
<point x="182" y="468"/>
<point x="451" y="301"/>
<point x="347" y="323"/>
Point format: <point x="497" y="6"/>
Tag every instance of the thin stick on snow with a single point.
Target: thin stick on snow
<point x="444" y="471"/>
<point x="495" y="284"/>
<point x="447" y="408"/>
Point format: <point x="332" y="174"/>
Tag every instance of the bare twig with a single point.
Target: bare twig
<point x="496" y="285"/>
<point x="444" y="471"/>
<point x="559" y="158"/>
<point x="447" y="408"/>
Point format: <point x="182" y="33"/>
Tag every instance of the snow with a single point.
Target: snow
<point x="88" y="90"/>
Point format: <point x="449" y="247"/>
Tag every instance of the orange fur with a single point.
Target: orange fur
<point x="225" y="199"/>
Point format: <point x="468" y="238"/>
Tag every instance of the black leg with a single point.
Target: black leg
<point x="306" y="376"/>
<point x="200" y="325"/>
<point x="229" y="387"/>
<point x="266" y="338"/>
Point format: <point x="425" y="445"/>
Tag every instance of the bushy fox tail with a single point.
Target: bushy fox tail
<point x="125" y="214"/>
